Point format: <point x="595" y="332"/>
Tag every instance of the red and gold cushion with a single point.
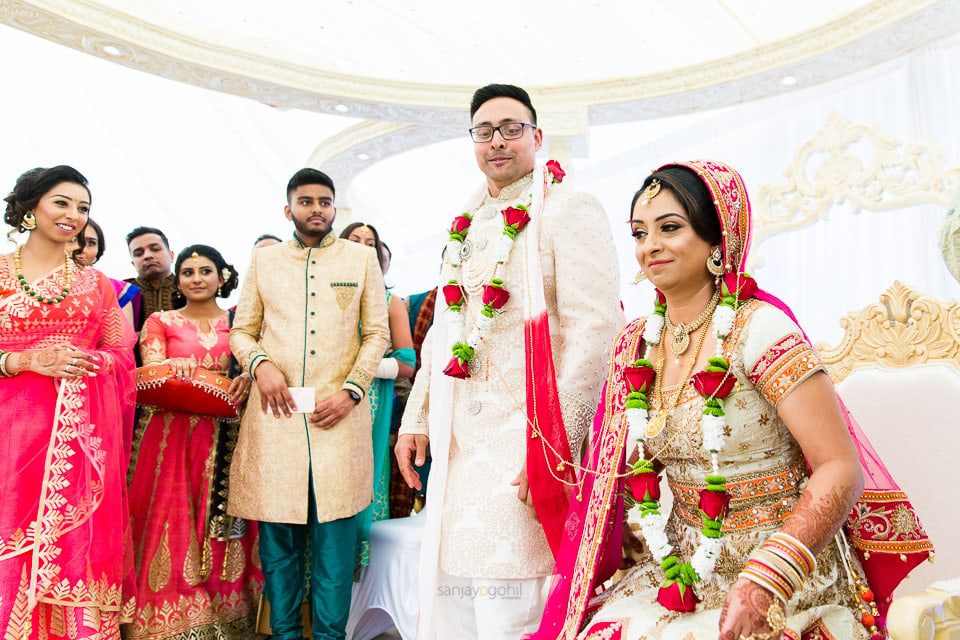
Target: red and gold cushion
<point x="207" y="393"/>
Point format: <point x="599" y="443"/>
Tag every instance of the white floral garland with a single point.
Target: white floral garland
<point x="653" y="524"/>
<point x="455" y="322"/>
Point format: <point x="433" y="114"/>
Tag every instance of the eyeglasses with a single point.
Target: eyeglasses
<point x="508" y="131"/>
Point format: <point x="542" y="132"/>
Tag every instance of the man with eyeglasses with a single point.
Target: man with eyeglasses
<point x="498" y="491"/>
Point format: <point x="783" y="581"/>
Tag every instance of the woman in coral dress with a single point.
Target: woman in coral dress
<point x="198" y="572"/>
<point x="67" y="398"/>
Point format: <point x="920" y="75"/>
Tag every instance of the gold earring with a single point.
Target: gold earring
<point x="715" y="262"/>
<point x="29" y="222"/>
<point x="640" y="277"/>
<point x="220" y="291"/>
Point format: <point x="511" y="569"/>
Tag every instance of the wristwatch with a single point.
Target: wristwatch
<point x="354" y="395"/>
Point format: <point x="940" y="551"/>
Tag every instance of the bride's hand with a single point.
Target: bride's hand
<point x="750" y="612"/>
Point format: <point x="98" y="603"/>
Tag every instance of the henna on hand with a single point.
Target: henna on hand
<point x="815" y="523"/>
<point x="751" y="603"/>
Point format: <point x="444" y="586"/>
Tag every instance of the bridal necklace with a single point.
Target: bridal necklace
<point x="30" y="291"/>
<point x="659" y="419"/>
<point x="682" y="331"/>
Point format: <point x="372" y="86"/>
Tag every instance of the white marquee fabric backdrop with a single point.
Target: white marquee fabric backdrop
<point x="822" y="271"/>
<point x="211" y="168"/>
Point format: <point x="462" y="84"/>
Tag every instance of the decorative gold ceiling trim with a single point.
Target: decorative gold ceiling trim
<point x="828" y="171"/>
<point x="905" y="329"/>
<point x="88" y="26"/>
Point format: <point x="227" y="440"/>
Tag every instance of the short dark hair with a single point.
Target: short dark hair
<point x="229" y="283"/>
<point x="692" y="194"/>
<point x="81" y="239"/>
<point x="309" y="176"/>
<point x="142" y="231"/>
<point x="491" y="91"/>
<point x="32" y="184"/>
<point x="267" y="236"/>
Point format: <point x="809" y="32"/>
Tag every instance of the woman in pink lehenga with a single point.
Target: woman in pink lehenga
<point x="67" y="398"/>
<point x="776" y="531"/>
<point x="198" y="571"/>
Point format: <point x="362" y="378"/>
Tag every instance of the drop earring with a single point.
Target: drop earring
<point x="715" y="262"/>
<point x="29" y="222"/>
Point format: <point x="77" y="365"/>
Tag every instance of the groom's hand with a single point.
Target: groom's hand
<point x="411" y="446"/>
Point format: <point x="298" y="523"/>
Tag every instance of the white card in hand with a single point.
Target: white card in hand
<point x="304" y="399"/>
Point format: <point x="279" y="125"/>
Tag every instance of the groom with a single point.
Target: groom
<point x="510" y="380"/>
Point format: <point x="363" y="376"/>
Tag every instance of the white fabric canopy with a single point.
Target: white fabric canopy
<point x="209" y="167"/>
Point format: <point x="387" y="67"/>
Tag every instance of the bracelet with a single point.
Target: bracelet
<point x="4" y="355"/>
<point x="780" y="565"/>
<point x="794" y="549"/>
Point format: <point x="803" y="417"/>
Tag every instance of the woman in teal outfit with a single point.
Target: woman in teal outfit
<point x="398" y="362"/>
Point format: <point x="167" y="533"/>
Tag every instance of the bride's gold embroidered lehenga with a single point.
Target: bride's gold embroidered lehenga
<point x="766" y="473"/>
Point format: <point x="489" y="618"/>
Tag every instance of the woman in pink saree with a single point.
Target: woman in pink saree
<point x="198" y="574"/>
<point x="784" y="523"/>
<point x="67" y="398"/>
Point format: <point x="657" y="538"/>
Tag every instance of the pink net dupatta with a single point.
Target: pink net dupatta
<point x="66" y="561"/>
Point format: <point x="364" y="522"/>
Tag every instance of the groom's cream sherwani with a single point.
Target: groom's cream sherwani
<point x="486" y="531"/>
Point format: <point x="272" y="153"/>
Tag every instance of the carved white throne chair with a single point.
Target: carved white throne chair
<point x="898" y="370"/>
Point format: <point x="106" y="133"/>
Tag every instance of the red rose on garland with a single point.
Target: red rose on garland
<point x="515" y="218"/>
<point x="714" y="384"/>
<point x="494" y="295"/>
<point x="716" y="504"/>
<point x="643" y="485"/>
<point x="677" y="597"/>
<point x="556" y="172"/>
<point x="453" y="294"/>
<point x="744" y="286"/>
<point x="458" y="230"/>
<point x="457" y="368"/>
<point x="639" y="378"/>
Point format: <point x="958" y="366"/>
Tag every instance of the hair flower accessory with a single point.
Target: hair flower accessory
<point x="557" y="173"/>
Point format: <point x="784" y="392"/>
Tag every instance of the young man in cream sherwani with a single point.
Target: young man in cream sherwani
<point x="312" y="313"/>
<point x="485" y="555"/>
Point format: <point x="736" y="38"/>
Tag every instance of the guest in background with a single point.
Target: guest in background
<point x="67" y="394"/>
<point x="398" y="362"/>
<point x="197" y="571"/>
<point x="151" y="256"/>
<point x="312" y="314"/>
<point x="385" y="257"/>
<point x="87" y="248"/>
<point x="266" y="240"/>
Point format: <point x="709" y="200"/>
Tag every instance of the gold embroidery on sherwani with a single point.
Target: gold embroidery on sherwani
<point x="161" y="565"/>
<point x="345" y="292"/>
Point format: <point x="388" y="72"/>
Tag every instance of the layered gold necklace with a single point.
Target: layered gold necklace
<point x="681" y="332"/>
